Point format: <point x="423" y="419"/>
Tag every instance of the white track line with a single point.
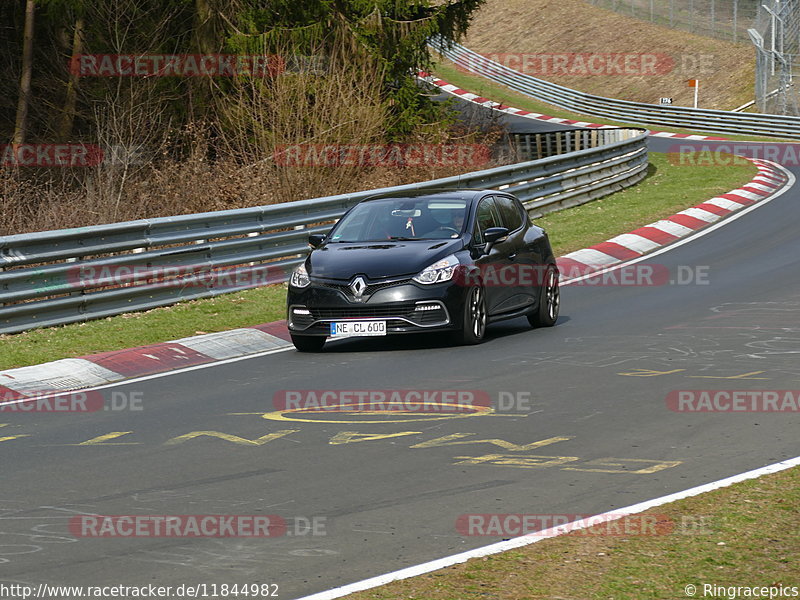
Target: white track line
<point x="527" y="540"/>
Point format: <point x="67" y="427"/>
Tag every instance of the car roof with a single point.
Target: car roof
<point x="468" y="194"/>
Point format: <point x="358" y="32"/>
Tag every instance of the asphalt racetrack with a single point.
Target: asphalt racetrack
<point x="586" y="427"/>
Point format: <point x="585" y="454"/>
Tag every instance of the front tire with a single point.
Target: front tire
<point x="546" y="314"/>
<point x="308" y="343"/>
<point x="474" y="318"/>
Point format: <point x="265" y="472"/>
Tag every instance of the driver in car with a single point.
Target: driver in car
<point x="456" y="222"/>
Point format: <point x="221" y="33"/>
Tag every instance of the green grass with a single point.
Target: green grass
<point x="229" y="311"/>
<point x="667" y="188"/>
<point x="500" y="93"/>
<point x="743" y="535"/>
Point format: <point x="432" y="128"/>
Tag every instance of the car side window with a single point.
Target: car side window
<point x="486" y="216"/>
<point x="509" y="212"/>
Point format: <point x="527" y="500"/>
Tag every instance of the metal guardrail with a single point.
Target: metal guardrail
<point x="640" y="113"/>
<point x="65" y="276"/>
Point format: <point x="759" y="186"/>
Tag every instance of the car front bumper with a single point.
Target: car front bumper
<point x="407" y="307"/>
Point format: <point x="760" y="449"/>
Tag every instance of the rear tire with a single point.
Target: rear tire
<point x="308" y="343"/>
<point x="474" y="318"/>
<point x="546" y="314"/>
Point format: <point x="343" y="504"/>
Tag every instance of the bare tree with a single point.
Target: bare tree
<point x="20" y="125"/>
<point x="71" y="98"/>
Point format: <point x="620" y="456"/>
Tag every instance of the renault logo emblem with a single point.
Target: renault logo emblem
<point x="358" y="286"/>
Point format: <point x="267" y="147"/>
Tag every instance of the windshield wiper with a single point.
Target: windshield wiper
<point x="397" y="238"/>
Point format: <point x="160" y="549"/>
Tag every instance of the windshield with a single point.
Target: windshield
<point x="402" y="219"/>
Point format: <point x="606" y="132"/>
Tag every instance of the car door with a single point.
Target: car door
<point x="492" y="266"/>
<point x="525" y="258"/>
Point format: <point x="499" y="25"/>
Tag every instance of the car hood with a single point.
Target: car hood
<point x="378" y="260"/>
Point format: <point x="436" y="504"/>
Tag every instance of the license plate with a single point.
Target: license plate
<point x="354" y="328"/>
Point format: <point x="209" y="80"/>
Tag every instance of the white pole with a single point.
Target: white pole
<point x="773" y="41"/>
<point x="696" y="91"/>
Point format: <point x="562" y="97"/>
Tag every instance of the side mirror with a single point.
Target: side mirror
<point x="315" y="239"/>
<point x="493" y="235"/>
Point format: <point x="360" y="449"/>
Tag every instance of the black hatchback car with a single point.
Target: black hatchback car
<point x="452" y="260"/>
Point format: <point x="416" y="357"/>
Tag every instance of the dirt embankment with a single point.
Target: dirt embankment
<point x="573" y="43"/>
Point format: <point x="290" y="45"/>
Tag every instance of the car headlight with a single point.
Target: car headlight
<point x="299" y="278"/>
<point x="441" y="270"/>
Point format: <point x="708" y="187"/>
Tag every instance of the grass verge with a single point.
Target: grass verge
<point x="196" y="317"/>
<point x="743" y="535"/>
<point x="667" y="189"/>
<point x="476" y="84"/>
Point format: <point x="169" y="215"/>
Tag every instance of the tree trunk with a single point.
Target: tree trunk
<point x="204" y="35"/>
<point x="68" y="113"/>
<point x="20" y="125"/>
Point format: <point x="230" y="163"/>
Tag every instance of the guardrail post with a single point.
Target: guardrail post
<point x="297" y="228"/>
<point x="81" y="291"/>
<point x="250" y="235"/>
